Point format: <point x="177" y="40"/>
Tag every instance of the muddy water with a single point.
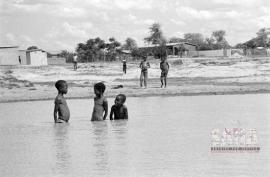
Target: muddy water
<point x="164" y="136"/>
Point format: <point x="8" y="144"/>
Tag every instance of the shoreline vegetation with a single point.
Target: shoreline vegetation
<point x="187" y="77"/>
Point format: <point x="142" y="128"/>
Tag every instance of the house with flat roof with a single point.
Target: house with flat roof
<point x="35" y="57"/>
<point x="9" y="55"/>
<point x="175" y="49"/>
<point x="55" y="58"/>
<point x="124" y="54"/>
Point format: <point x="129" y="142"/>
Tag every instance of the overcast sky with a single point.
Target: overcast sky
<point x="61" y="24"/>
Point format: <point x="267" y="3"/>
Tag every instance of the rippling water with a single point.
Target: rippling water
<point x="164" y="136"/>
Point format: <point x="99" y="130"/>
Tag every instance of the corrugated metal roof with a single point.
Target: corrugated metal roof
<point x="33" y="50"/>
<point x="55" y="52"/>
<point x="6" y="47"/>
<point x="169" y="44"/>
<point x="178" y="43"/>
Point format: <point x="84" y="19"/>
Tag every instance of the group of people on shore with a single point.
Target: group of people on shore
<point x="100" y="110"/>
<point x="145" y="65"/>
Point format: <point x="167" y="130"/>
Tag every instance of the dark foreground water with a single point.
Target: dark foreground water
<point x="165" y="136"/>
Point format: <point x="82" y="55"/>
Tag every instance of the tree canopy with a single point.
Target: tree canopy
<point x="130" y="44"/>
<point x="220" y="40"/>
<point x="219" y="35"/>
<point x="176" y="40"/>
<point x="156" y="35"/>
<point x="261" y="40"/>
<point x="68" y="55"/>
<point x="96" y="49"/>
<point x="194" y="38"/>
<point x="215" y="41"/>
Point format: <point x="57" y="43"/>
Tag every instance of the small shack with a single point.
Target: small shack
<point x="55" y="58"/>
<point x="9" y="55"/>
<point x="124" y="54"/>
<point x="56" y="61"/>
<point x="35" y="57"/>
<point x="180" y="48"/>
<point x="175" y="49"/>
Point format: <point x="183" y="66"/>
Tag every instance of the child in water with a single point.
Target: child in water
<point x="60" y="104"/>
<point x="119" y="110"/>
<point x="100" y="110"/>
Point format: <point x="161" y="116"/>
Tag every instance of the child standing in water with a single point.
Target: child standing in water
<point x="119" y="110"/>
<point x="60" y="104"/>
<point x="100" y="110"/>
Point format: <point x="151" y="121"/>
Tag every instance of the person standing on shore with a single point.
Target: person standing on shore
<point x="164" y="66"/>
<point x="144" y="65"/>
<point x="20" y="61"/>
<point x="124" y="66"/>
<point x="75" y="61"/>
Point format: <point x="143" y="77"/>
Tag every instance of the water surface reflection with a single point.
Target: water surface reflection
<point x="61" y="146"/>
<point x="164" y="136"/>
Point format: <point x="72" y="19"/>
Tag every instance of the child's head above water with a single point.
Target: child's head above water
<point x="120" y="99"/>
<point x="99" y="88"/>
<point x="61" y="86"/>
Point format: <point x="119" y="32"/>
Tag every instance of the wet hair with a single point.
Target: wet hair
<point x="100" y="87"/>
<point x="123" y="97"/>
<point x="59" y="84"/>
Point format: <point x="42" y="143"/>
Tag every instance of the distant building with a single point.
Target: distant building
<point x="124" y="54"/>
<point x="179" y="47"/>
<point x="55" y="58"/>
<point x="54" y="54"/>
<point x="35" y="57"/>
<point x="175" y="49"/>
<point x="56" y="61"/>
<point x="262" y="40"/>
<point x="9" y="55"/>
<point x="211" y="53"/>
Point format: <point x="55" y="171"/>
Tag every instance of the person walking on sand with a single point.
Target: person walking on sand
<point x="164" y="66"/>
<point x="60" y="104"/>
<point x="144" y="65"/>
<point x="100" y="109"/>
<point x="124" y="66"/>
<point x="75" y="61"/>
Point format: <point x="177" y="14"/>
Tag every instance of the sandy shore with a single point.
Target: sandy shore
<point x="187" y="77"/>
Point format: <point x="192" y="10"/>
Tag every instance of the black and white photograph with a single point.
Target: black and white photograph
<point x="134" y="88"/>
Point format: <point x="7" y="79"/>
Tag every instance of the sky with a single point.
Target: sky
<point x="61" y="24"/>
